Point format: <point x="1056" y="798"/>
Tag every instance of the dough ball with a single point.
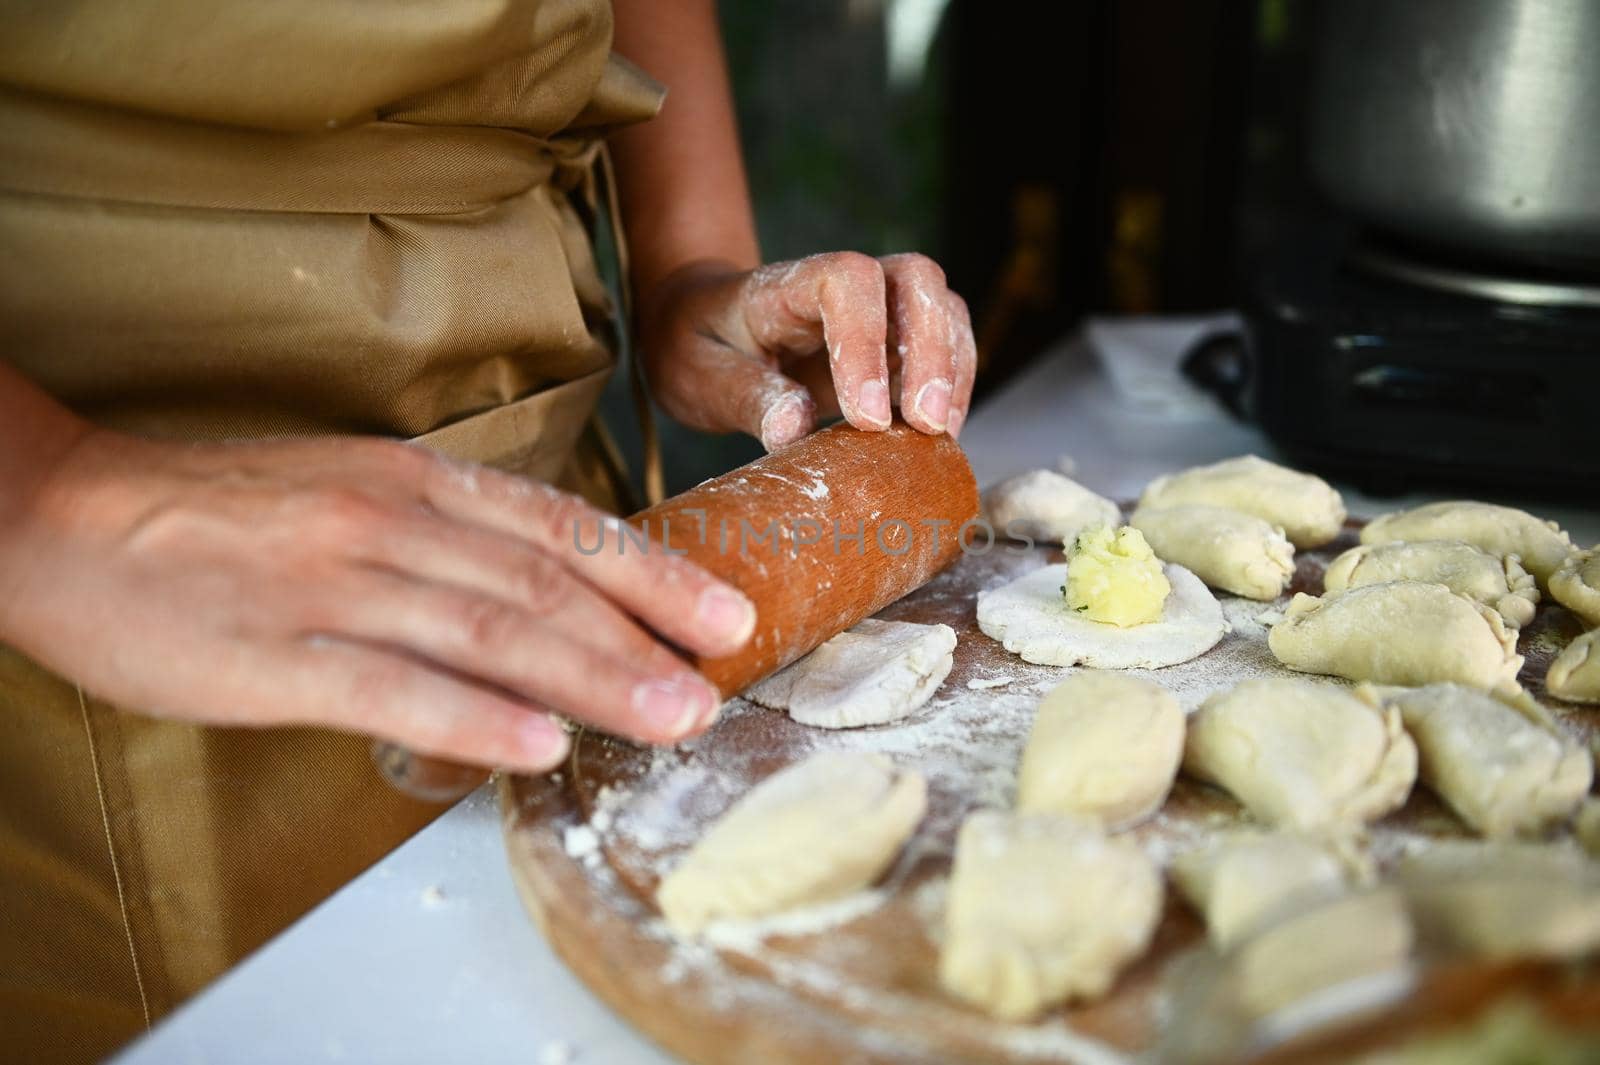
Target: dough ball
<point x="1503" y="773"/>
<point x="1306" y="508"/>
<point x="1046" y="507"/>
<point x="1494" y="580"/>
<point x="815" y="831"/>
<point x="1030" y="617"/>
<point x="876" y="672"/>
<point x="1302" y="755"/>
<point x="1043" y="908"/>
<point x="1505" y="900"/>
<point x="1228" y="549"/>
<point x="1541" y="545"/>
<point x="1575" y="674"/>
<point x="1401" y="632"/>
<point x="1576" y="585"/>
<point x="1245" y="881"/>
<point x="1103" y="745"/>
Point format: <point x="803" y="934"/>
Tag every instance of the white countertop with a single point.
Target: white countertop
<point x="428" y="957"/>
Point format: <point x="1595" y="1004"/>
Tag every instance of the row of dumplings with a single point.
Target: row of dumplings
<point x="1312" y="763"/>
<point x="1048" y="902"/>
<point x="1437" y="593"/>
<point x="1440" y="593"/>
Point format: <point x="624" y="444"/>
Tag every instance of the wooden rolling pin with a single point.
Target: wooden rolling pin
<point x="819" y="535"/>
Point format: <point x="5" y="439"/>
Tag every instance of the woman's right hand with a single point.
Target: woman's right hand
<point x="357" y="583"/>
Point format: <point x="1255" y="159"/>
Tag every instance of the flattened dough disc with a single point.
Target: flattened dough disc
<point x="1030" y="617"/>
<point x="877" y="672"/>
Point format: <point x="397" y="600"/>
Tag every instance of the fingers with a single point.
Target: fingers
<point x="925" y="337"/>
<point x="835" y="301"/>
<point x="777" y="410"/>
<point x="536" y="659"/>
<point x="369" y="690"/>
<point x="747" y="395"/>
<point x="491" y="563"/>
<point x="966" y="364"/>
<point x="671" y="595"/>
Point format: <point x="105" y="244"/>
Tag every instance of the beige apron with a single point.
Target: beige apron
<point x="243" y="219"/>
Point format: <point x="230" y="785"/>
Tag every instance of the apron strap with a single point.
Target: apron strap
<point x="655" y="483"/>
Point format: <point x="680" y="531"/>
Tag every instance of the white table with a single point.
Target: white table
<point x="428" y="957"/>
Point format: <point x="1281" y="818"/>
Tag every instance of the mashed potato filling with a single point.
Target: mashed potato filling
<point x="1114" y="577"/>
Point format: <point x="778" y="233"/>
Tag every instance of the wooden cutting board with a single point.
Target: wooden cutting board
<point x="857" y="982"/>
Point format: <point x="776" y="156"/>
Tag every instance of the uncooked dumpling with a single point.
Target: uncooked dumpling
<point x="1402" y="632"/>
<point x="1042" y="908"/>
<point x="1352" y="937"/>
<point x="1306" y="508"/>
<point x="813" y="832"/>
<point x="1245" y="880"/>
<point x="1228" y="549"/>
<point x="1493" y="580"/>
<point x="1302" y="755"/>
<point x="1541" y="545"/>
<point x="1030" y="617"/>
<point x="1575" y="674"/>
<point x="1576" y="585"/>
<point x="1505" y="900"/>
<point x="1043" y="505"/>
<point x="877" y="671"/>
<point x="1503" y="773"/>
<point x="1103" y="745"/>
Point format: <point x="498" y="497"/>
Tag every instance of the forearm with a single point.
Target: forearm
<point x="680" y="176"/>
<point x="35" y="432"/>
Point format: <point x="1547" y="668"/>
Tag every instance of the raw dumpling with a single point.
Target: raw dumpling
<point x="1228" y="549"/>
<point x="876" y="672"/>
<point x="1541" y="545"/>
<point x="1031" y="618"/>
<point x="1246" y="880"/>
<point x="1494" y="580"/>
<point x="1302" y="755"/>
<point x="1576" y="585"/>
<point x="1575" y="674"/>
<point x="1306" y="508"/>
<point x="1358" y="936"/>
<point x="1402" y="632"/>
<point x="1104" y="746"/>
<point x="1505" y="900"/>
<point x="813" y="832"/>
<point x="1503" y="773"/>
<point x="1043" y="505"/>
<point x="1042" y="908"/>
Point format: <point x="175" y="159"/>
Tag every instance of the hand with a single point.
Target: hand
<point x="361" y="584"/>
<point x="731" y="349"/>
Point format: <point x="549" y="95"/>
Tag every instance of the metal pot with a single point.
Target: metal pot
<point x="1467" y="125"/>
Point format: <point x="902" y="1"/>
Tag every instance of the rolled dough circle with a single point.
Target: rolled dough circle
<point x="1031" y="619"/>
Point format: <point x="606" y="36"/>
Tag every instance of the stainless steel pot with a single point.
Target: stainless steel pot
<point x="1466" y="124"/>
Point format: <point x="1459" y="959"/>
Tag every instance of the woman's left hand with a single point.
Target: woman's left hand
<point x="767" y="351"/>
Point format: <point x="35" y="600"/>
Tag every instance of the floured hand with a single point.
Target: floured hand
<point x="767" y="351"/>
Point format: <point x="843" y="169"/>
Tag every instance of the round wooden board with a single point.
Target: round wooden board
<point x="857" y="982"/>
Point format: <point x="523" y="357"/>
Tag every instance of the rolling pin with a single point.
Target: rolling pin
<point x="819" y="535"/>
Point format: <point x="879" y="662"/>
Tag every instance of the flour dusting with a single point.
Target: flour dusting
<point x="966" y="741"/>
